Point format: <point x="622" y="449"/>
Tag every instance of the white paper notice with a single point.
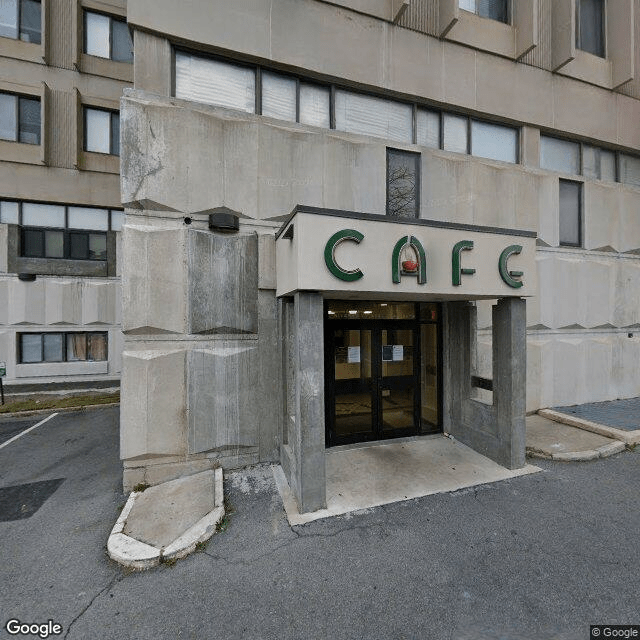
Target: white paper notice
<point x="353" y="354"/>
<point x="397" y="353"/>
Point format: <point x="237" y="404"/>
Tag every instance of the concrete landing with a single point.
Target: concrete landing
<point x="549" y="439"/>
<point x="607" y="419"/>
<point x="370" y="475"/>
<point x="166" y="521"/>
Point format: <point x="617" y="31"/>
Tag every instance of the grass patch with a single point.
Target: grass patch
<point x="56" y="402"/>
<point x="141" y="486"/>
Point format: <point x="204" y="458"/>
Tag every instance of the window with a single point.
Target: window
<point x="590" y="23"/>
<point x="570" y="213"/>
<point x="107" y="37"/>
<point x="278" y="95"/>
<point x="630" y="170"/>
<point x="372" y="116"/>
<point x="19" y="118"/>
<point x="62" y="347"/>
<point x="598" y="164"/>
<point x="494" y="142"/>
<point x="215" y="82"/>
<point x="559" y="155"/>
<point x="101" y="131"/>
<point x="403" y="184"/>
<point x="21" y="19"/>
<point x="61" y="231"/>
<point x="494" y="9"/>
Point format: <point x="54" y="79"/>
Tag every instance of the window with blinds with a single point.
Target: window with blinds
<point x="492" y="9"/>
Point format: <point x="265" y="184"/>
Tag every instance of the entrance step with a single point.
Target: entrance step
<point x="364" y="476"/>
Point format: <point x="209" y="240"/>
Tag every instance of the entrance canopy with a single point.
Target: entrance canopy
<point x="347" y="254"/>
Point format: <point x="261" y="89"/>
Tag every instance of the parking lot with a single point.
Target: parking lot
<point x="540" y="556"/>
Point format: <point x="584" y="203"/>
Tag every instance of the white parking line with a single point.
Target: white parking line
<point x="4" y="444"/>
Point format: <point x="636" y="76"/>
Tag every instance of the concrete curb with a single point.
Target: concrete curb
<point x="135" y="554"/>
<point x="604" y="451"/>
<point x="628" y="437"/>
<point x="35" y="412"/>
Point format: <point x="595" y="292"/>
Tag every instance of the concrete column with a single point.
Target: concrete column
<point x="303" y="457"/>
<point x="509" y="379"/>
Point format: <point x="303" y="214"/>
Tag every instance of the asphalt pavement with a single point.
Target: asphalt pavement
<point x="536" y="557"/>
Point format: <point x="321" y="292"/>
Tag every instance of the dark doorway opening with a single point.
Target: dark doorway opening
<point x="382" y="370"/>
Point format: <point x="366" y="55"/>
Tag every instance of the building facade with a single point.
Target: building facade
<point x="349" y="221"/>
<point x="63" y="68"/>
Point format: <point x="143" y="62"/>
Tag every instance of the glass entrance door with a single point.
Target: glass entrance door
<point x="380" y="371"/>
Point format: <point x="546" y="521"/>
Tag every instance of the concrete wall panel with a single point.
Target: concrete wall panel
<point x="64" y="302"/>
<point x="99" y="302"/>
<point x="27" y="302"/>
<point x="629" y="220"/>
<point x="223" y="283"/>
<point x="155" y="419"/>
<point x="222" y="408"/>
<point x="154" y="288"/>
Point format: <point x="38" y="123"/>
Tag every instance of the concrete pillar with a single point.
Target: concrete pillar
<point x="303" y="456"/>
<point x="509" y="379"/>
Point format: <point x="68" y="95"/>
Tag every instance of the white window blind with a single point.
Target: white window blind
<point x="455" y="133"/>
<point x="314" y="105"/>
<point x="96" y="34"/>
<point x="494" y="142"/>
<point x="88" y="218"/>
<point x="215" y="82"/>
<point x="428" y="129"/>
<point x="278" y="96"/>
<point x="97" y="130"/>
<point x="559" y="155"/>
<point x="371" y="116"/>
<point x="42" y="215"/>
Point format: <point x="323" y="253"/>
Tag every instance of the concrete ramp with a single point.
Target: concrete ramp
<point x="370" y="475"/>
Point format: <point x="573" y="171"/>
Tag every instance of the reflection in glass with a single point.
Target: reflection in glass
<point x="369" y="310"/>
<point x="429" y="374"/>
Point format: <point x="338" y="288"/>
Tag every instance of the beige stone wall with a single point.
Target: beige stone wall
<point x="317" y="38"/>
<point x="60" y="171"/>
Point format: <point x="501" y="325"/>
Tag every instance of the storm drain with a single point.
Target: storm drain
<point x="23" y="500"/>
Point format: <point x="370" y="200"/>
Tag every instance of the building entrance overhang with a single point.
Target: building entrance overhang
<point x="348" y="254"/>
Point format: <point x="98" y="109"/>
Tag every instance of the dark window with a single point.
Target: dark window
<point x="63" y="347"/>
<point x="570" y="213"/>
<point x="21" y="19"/>
<point x="101" y="131"/>
<point x="63" y="243"/>
<point x="403" y="184"/>
<point x="19" y="118"/>
<point x="107" y="37"/>
<point x="493" y="9"/>
<point x="590" y="23"/>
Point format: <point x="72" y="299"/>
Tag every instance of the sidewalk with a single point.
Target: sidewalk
<point x="584" y="432"/>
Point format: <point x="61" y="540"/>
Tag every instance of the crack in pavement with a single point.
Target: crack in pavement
<point x="299" y="536"/>
<point x="115" y="579"/>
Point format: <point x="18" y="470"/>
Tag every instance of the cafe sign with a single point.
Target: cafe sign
<point x="320" y="250"/>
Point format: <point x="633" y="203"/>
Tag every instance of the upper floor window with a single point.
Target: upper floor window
<point x="403" y="184"/>
<point x="107" y="37"/>
<point x="101" y="131"/>
<point x="59" y="231"/>
<point x="494" y="9"/>
<point x="256" y="90"/>
<point x="21" y="19"/>
<point x="62" y="347"/>
<point x="590" y="25"/>
<point x="19" y="118"/>
<point x="570" y="213"/>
